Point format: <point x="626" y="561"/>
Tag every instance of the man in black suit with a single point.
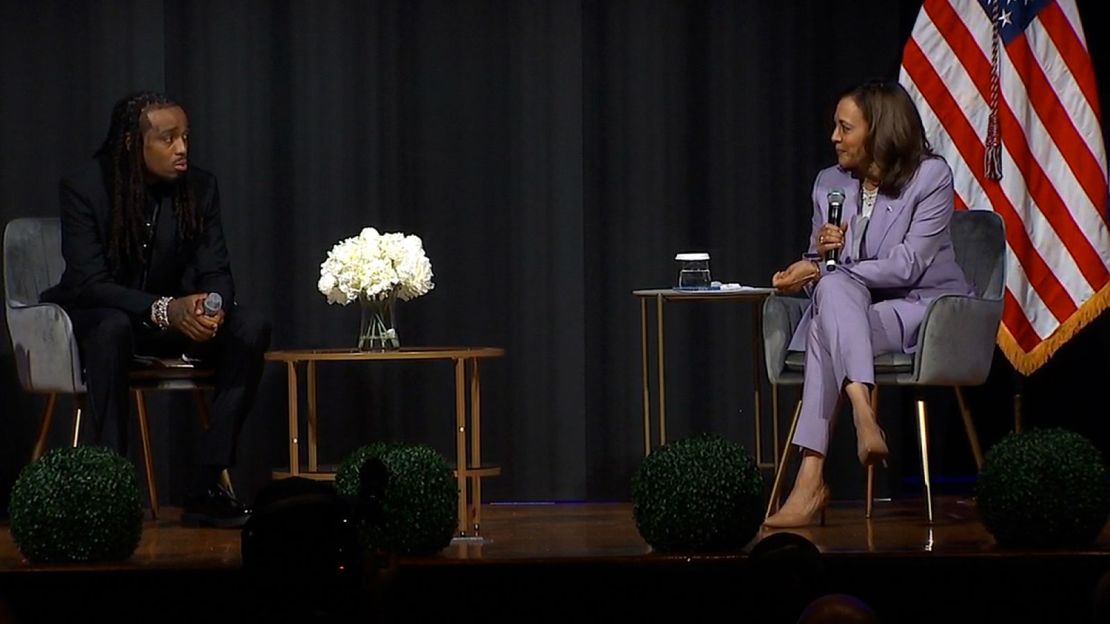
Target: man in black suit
<point x="143" y="246"/>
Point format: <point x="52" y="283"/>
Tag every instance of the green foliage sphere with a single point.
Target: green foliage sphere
<point x="417" y="508"/>
<point x="77" y="504"/>
<point x="698" y="494"/>
<point x="1043" y="488"/>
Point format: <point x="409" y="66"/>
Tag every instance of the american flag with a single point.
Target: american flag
<point x="1016" y="74"/>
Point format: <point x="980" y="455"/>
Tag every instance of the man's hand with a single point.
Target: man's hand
<point x="187" y="316"/>
<point x="791" y="279"/>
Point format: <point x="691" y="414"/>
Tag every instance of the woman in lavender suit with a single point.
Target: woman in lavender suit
<point x="895" y="256"/>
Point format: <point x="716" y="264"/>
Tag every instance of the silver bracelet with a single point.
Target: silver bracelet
<point x="160" y="312"/>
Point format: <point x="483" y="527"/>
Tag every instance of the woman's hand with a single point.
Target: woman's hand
<point x="791" y="279"/>
<point x="829" y="237"/>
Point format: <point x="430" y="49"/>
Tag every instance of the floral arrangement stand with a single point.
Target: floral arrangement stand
<point x="469" y="469"/>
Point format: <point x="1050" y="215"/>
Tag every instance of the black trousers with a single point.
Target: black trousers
<point x="108" y="339"/>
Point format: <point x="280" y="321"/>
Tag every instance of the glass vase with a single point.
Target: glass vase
<point x="376" y="331"/>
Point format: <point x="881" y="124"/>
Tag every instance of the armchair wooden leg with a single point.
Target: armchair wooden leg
<point x="78" y="407"/>
<point x="787" y="447"/>
<point x="44" y="427"/>
<point x="774" y="423"/>
<point x="870" y="508"/>
<point x="225" y="479"/>
<point x="148" y="457"/>
<point x="972" y="438"/>
<point x="923" y="436"/>
<point x="870" y="491"/>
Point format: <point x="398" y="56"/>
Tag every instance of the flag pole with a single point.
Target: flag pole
<point x="1019" y="388"/>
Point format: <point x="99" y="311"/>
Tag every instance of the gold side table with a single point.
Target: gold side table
<point x="752" y="296"/>
<point x="469" y="469"/>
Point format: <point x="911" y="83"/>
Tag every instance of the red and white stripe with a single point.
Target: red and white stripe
<point x="1053" y="192"/>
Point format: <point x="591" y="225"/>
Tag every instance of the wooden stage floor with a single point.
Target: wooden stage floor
<point x="592" y="555"/>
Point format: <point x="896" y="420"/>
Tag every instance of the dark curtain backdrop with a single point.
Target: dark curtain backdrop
<point x="552" y="154"/>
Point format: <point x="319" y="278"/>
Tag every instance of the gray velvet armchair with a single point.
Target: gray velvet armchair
<point x="955" y="343"/>
<point x="46" y="355"/>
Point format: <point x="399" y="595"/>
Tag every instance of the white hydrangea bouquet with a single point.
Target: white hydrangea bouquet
<point x="376" y="270"/>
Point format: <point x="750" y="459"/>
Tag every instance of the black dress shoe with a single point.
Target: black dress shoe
<point x="217" y="507"/>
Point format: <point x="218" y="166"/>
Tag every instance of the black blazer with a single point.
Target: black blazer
<point x="177" y="267"/>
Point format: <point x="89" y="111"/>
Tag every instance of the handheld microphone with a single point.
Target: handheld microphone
<point x="836" y="206"/>
<point x="213" y="303"/>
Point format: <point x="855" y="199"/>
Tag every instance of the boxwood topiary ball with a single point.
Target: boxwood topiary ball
<point x="347" y="475"/>
<point x="412" y="508"/>
<point x="77" y="504"/>
<point x="1044" y="488"/>
<point x="698" y="494"/>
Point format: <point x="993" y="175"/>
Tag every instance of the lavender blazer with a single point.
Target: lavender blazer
<point x="906" y="255"/>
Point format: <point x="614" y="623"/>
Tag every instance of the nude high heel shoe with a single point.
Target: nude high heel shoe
<point x="871" y="445"/>
<point x="815" y="511"/>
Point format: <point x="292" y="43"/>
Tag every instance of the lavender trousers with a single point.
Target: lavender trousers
<point x="846" y="332"/>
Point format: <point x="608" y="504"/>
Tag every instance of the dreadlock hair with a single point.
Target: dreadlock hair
<point x="123" y="152"/>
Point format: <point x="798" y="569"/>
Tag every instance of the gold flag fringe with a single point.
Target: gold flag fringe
<point x="1028" y="363"/>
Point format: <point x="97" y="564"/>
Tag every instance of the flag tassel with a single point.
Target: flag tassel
<point x="992" y="156"/>
<point x="992" y="162"/>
